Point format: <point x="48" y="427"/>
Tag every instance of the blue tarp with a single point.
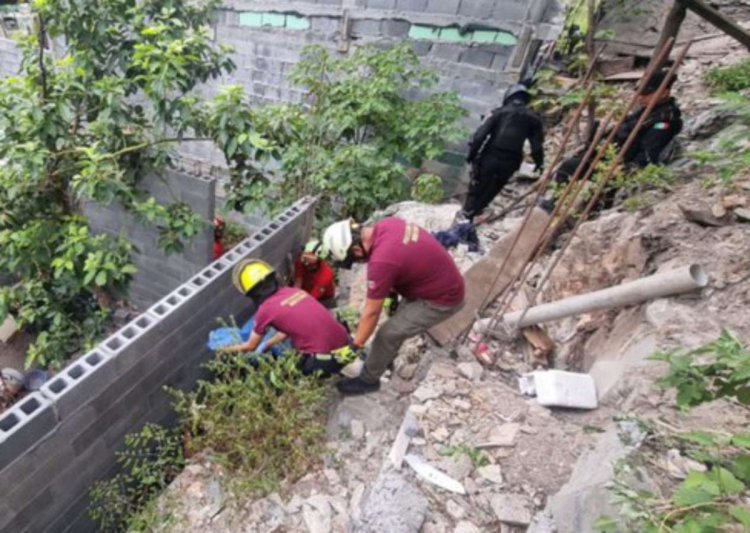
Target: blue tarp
<point x="222" y="337"/>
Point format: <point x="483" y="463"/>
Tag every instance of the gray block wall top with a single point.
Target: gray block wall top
<point x="56" y="442"/>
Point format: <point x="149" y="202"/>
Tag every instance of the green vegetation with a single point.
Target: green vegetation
<point x="71" y="132"/>
<point x="733" y="78"/>
<point x="729" y="157"/>
<point x="152" y="459"/>
<point x="350" y="143"/>
<point x="263" y="424"/>
<point x="428" y="188"/>
<point x="712" y="497"/>
<point x="719" y="369"/>
<point x="477" y="456"/>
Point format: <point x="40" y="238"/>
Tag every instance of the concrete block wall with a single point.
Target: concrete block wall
<point x="10" y="57"/>
<point x="478" y="47"/>
<point x="56" y="442"/>
<point x="158" y="272"/>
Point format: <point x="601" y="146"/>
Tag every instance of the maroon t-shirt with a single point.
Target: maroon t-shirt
<point x="407" y="259"/>
<point x="309" y="325"/>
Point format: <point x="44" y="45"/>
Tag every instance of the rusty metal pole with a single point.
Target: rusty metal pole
<point x="601" y="186"/>
<point x="548" y="234"/>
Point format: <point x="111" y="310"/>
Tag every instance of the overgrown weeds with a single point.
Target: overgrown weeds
<point x="733" y="78"/>
<point x="719" y="369"/>
<point x="264" y="423"/>
<point x="151" y="460"/>
<point x="709" y="491"/>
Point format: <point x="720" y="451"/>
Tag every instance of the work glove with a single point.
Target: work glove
<point x="391" y="304"/>
<point x="346" y="355"/>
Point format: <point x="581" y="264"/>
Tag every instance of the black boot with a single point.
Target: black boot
<point x="357" y="386"/>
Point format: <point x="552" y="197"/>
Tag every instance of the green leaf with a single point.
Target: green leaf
<point x="741" y="514"/>
<point x="740" y="467"/>
<point x="702" y="438"/>
<point x="741" y="441"/>
<point x="101" y="278"/>
<point x="697" y="488"/>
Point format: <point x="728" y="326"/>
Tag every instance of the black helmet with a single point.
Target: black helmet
<point x="515" y="91"/>
<point x="655" y="82"/>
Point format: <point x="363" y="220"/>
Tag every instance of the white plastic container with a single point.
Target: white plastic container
<point x="7" y="329"/>
<point x="557" y="388"/>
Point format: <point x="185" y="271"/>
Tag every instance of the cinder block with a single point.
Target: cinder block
<point x="422" y="48"/>
<point x="324" y="25"/>
<point x="42" y="504"/>
<point x="22" y="491"/>
<point x="127" y="344"/>
<point x="80" y="381"/>
<point x="74" y="518"/>
<point x="417" y="6"/>
<point x="449" y="7"/>
<point x="381" y="4"/>
<point x="365" y="28"/>
<point x="500" y="62"/>
<point x="518" y="10"/>
<point x="23" y="425"/>
<point x="447" y="51"/>
<point x="395" y="28"/>
<point x="480" y="9"/>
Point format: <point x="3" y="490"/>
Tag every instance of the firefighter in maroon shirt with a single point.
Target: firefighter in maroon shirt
<point x="314" y="275"/>
<point x="402" y="258"/>
<point x="313" y="331"/>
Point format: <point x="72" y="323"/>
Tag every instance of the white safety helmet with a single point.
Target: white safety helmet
<point x="337" y="240"/>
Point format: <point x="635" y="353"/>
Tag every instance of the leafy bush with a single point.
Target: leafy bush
<point x="265" y="424"/>
<point x="709" y="500"/>
<point x="428" y="188"/>
<point x="151" y="460"/>
<point x="366" y="118"/>
<point x="717" y="370"/>
<point x="72" y="131"/>
<point x="713" y="496"/>
<point x="733" y="78"/>
<point x="729" y="158"/>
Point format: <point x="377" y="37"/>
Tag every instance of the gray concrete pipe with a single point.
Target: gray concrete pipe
<point x="677" y="281"/>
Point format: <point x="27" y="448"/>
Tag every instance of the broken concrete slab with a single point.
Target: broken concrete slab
<point x="502" y="436"/>
<point x="491" y="473"/>
<point x="432" y="475"/>
<point x="485" y="281"/>
<point x="472" y="371"/>
<point x="408" y="430"/>
<point x="513" y="509"/>
<point x="394" y="505"/>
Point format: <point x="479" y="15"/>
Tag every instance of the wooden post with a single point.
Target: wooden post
<point x="671" y="28"/>
<point x="719" y="20"/>
<point x="591" y="51"/>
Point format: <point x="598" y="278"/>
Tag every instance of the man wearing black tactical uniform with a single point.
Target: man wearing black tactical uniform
<point x="496" y="150"/>
<point x="656" y="134"/>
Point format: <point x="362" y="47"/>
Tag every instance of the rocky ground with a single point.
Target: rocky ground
<point x="517" y="465"/>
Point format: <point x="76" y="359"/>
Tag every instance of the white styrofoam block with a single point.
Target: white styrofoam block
<point x="7" y="329"/>
<point x="557" y="388"/>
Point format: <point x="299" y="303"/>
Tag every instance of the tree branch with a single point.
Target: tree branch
<point x="42" y="70"/>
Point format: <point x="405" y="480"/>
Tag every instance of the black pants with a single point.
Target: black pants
<point x="567" y="170"/>
<point x="491" y="173"/>
<point x="327" y="368"/>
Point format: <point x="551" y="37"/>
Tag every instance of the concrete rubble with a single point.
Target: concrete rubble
<point x="523" y="466"/>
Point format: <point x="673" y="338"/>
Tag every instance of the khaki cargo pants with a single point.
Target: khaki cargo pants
<point x="412" y="318"/>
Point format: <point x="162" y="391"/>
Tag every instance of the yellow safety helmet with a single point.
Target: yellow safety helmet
<point x="248" y="274"/>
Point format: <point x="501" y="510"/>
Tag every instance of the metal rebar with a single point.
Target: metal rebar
<point x="546" y="236"/>
<point x="608" y="176"/>
<point x="541" y="186"/>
